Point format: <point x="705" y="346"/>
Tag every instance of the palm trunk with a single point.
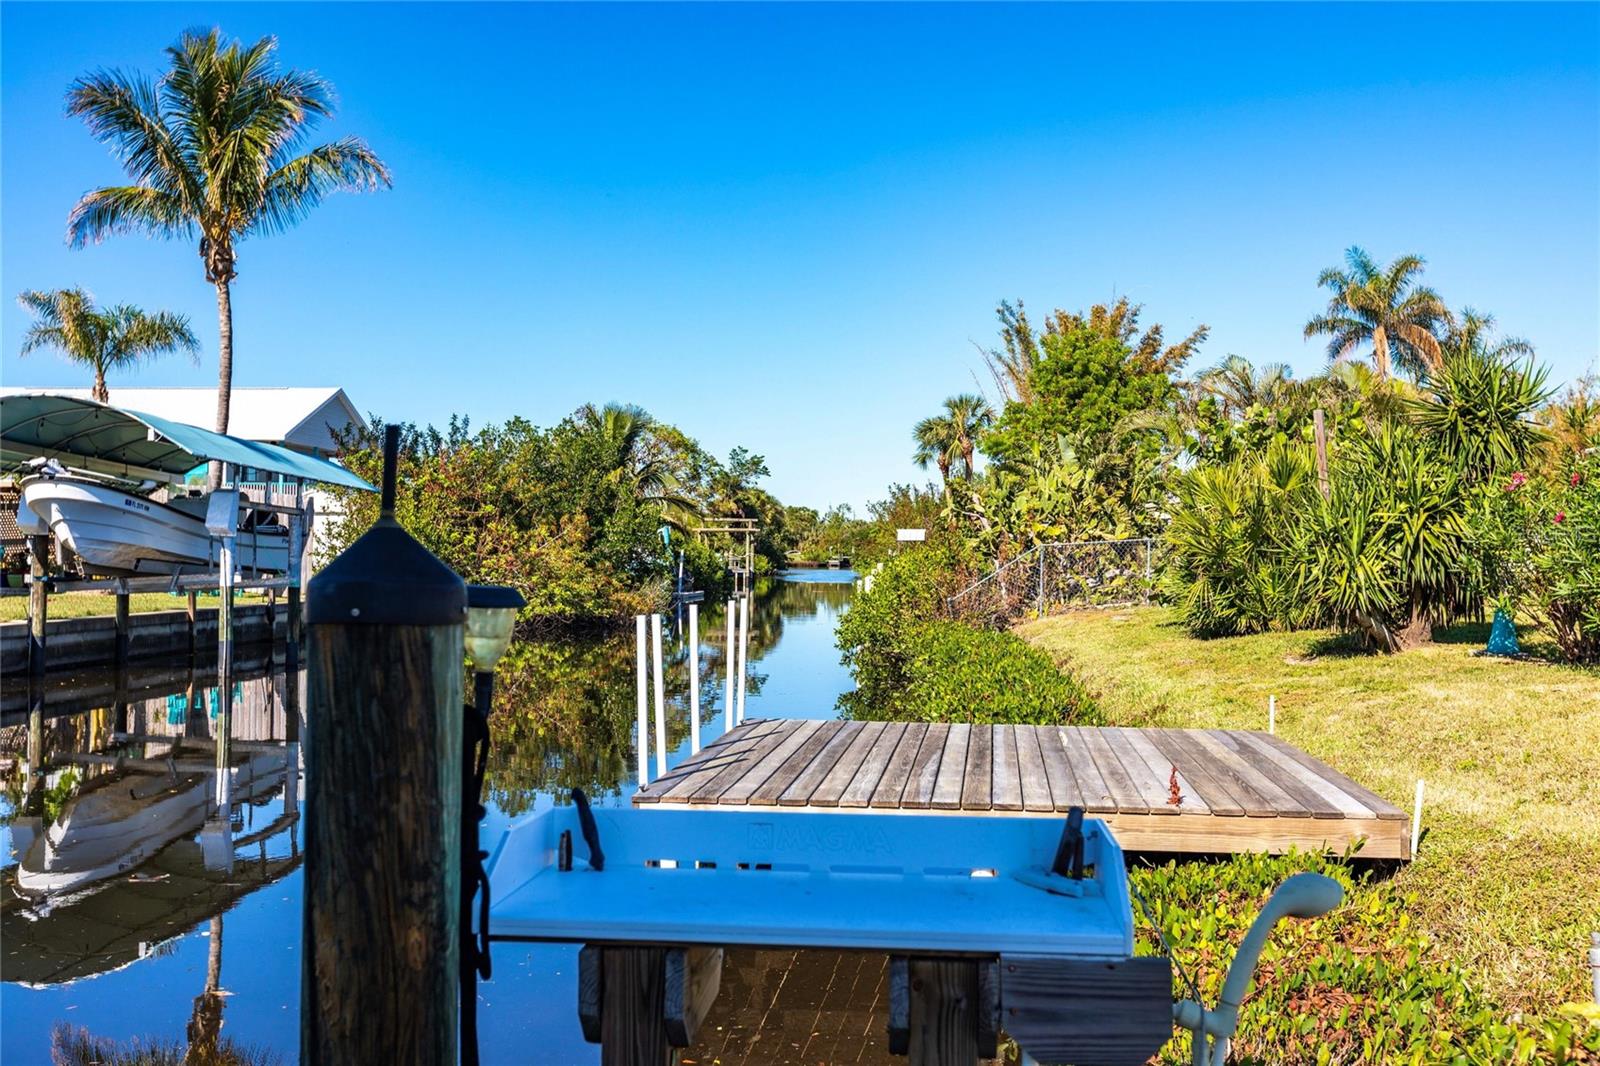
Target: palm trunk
<point x="224" y="366"/>
<point x="100" y="392"/>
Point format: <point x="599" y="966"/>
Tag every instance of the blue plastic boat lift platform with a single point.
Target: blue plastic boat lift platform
<point x="967" y="908"/>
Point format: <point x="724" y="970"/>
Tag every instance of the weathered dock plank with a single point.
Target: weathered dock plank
<point x="925" y="771"/>
<point x="1240" y="790"/>
<point x="891" y="787"/>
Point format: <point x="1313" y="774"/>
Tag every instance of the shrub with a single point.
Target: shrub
<point x="1542" y="536"/>
<point x="1227" y="566"/>
<point x="1566" y="564"/>
<point x="1359" y="984"/>
<point x="912" y="665"/>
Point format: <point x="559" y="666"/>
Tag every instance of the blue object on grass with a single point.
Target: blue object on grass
<point x="1503" y="635"/>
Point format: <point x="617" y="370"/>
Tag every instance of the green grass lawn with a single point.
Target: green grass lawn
<point x="1508" y="876"/>
<point x="84" y="604"/>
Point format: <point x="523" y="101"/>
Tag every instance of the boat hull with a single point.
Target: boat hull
<point x="118" y="534"/>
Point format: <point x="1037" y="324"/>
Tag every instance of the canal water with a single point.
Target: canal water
<point x="156" y="930"/>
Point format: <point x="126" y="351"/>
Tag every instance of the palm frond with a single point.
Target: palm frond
<point x="121" y="209"/>
<point x="297" y="186"/>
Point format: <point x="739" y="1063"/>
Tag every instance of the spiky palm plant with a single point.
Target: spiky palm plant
<point x="214" y="148"/>
<point x="1228" y="568"/>
<point x="950" y="440"/>
<point x="1390" y="551"/>
<point x="1480" y="410"/>
<point x="1385" y="308"/>
<point x="115" y="338"/>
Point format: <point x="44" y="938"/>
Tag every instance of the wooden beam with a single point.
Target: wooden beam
<point x="942" y="1016"/>
<point x="694" y="976"/>
<point x="1084" y="1012"/>
<point x="633" y="993"/>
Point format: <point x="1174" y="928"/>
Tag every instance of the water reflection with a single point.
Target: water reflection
<point x="127" y="852"/>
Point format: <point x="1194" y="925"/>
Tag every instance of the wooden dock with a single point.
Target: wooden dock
<point x="1236" y="790"/>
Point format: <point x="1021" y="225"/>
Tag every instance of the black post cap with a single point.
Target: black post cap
<point x="492" y="596"/>
<point x="386" y="577"/>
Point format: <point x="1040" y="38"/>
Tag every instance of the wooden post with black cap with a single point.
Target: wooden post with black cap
<point x="380" y="955"/>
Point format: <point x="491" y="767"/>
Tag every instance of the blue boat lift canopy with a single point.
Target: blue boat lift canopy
<point x="110" y="440"/>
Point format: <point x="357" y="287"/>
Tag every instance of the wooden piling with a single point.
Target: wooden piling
<point x="38" y="603"/>
<point x="380" y="951"/>
<point x="1319" y="434"/>
<point x="641" y="1003"/>
<point x="632" y="1003"/>
<point x="942" y="1011"/>
<point x="191" y="609"/>
<point x="123" y="630"/>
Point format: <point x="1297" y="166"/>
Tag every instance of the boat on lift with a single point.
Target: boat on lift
<point x="88" y="469"/>
<point x="115" y="531"/>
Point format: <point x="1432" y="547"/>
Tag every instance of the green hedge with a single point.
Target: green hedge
<point x="911" y="665"/>
<point x="1359" y="984"/>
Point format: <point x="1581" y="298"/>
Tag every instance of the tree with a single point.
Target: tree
<point x="1385" y="308"/>
<point x="1237" y="385"/>
<point x="1475" y="333"/>
<point x="213" y="148"/>
<point x="1013" y="364"/>
<point x="116" y="338"/>
<point x="950" y="440"/>
<point x="635" y="457"/>
<point x="1573" y="421"/>
<point x="1085" y="386"/>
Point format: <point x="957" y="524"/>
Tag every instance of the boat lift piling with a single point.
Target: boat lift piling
<point x="381" y="951"/>
<point x="728" y="664"/>
<point x="694" y="678"/>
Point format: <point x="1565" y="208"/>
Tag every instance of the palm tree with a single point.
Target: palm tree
<point x="116" y="338"/>
<point x="1474" y="333"/>
<point x="627" y="435"/>
<point x="1237" y="384"/>
<point x="1384" y="308"/>
<point x="971" y="415"/>
<point x="950" y="440"/>
<point x="213" y="148"/>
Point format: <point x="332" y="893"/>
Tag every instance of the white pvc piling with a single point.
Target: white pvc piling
<point x="661" y="696"/>
<point x="727" y="702"/>
<point x="744" y="650"/>
<point x="694" y="678"/>
<point x="1272" y="714"/>
<point x="641" y="742"/>
<point x="1416" y="820"/>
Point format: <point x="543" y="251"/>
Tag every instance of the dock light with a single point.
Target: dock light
<point x="491" y="616"/>
<point x="491" y="619"/>
<point x="1305" y="895"/>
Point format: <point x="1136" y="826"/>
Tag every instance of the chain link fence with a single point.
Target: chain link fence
<point x="1057" y="577"/>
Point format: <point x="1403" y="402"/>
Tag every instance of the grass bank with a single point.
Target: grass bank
<point x="1507" y="881"/>
<point x="87" y="604"/>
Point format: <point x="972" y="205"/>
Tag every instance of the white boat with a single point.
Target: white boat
<point x="118" y="533"/>
<point x="123" y="818"/>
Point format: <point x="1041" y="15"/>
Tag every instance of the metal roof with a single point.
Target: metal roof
<point x="110" y="440"/>
<point x="305" y="418"/>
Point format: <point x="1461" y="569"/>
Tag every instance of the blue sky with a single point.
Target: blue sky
<point x="787" y="227"/>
